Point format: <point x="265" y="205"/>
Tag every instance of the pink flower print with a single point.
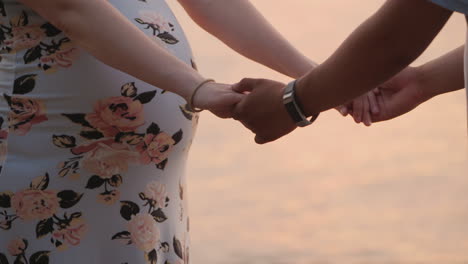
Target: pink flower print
<point x="156" y="191"/>
<point x="156" y="20"/>
<point x="155" y="148"/>
<point x="63" y="57"/>
<point x="144" y="232"/>
<point x="24" y="37"/>
<point x="24" y="113"/>
<point x="17" y="247"/>
<point x="106" y="158"/>
<point x="116" y="114"/>
<point x="72" y="234"/>
<point x="35" y="204"/>
<point x="109" y="198"/>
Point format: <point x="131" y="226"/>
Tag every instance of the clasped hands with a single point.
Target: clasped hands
<point x="258" y="103"/>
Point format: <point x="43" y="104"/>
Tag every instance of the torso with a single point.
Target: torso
<point x="93" y="160"/>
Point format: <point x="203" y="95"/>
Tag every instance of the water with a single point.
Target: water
<point x="334" y="192"/>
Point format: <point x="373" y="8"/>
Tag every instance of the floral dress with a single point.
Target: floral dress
<point x="92" y="160"/>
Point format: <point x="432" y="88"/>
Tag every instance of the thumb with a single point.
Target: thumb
<point x="245" y="85"/>
<point x="260" y="140"/>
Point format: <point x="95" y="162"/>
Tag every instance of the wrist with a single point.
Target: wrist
<point x="423" y="83"/>
<point x="294" y="107"/>
<point x="203" y="91"/>
<point x="302" y="68"/>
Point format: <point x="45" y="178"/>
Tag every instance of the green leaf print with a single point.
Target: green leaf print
<point x="177" y="136"/>
<point x="124" y="235"/>
<point x="153" y="256"/>
<point x="32" y="54"/>
<point x="44" y="227"/>
<point x="20" y="20"/>
<point x="116" y="181"/>
<point x="168" y="38"/>
<point x="41" y="257"/>
<point x="5" y="200"/>
<point x="146" y="97"/>
<point x="50" y="30"/>
<point x="159" y="216"/>
<point x="3" y="259"/>
<point x="21" y="259"/>
<point x="178" y="248"/>
<point x="153" y="129"/>
<point x="93" y="134"/>
<point x="24" y="84"/>
<point x="69" y="198"/>
<point x="78" y="119"/>
<point x="95" y="182"/>
<point x="128" y="209"/>
<point x="40" y="183"/>
<point x="64" y="141"/>
<point x="3" y="13"/>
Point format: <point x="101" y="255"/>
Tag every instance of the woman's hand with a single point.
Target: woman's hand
<point x="362" y="109"/>
<point x="397" y="96"/>
<point x="220" y="99"/>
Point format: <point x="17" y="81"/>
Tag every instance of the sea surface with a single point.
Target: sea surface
<point x="335" y="192"/>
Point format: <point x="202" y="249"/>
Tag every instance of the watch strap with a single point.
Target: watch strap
<point x="293" y="107"/>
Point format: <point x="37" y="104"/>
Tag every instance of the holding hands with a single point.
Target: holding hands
<point x="262" y="110"/>
<point x="397" y="96"/>
<point x="258" y="103"/>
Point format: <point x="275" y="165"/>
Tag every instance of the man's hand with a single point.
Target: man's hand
<point x="262" y="110"/>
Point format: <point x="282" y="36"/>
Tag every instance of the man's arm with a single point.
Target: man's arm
<point x="378" y="49"/>
<point x="240" y="26"/>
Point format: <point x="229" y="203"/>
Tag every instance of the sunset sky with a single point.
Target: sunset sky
<point x="334" y="192"/>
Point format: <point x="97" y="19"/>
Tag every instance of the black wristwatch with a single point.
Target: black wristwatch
<point x="294" y="109"/>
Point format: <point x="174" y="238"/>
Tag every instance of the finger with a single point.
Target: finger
<point x="379" y="116"/>
<point x="245" y="85"/>
<point x="342" y="109"/>
<point x="366" y="114"/>
<point x="260" y="140"/>
<point x="358" y="110"/>
<point x="376" y="90"/>
<point x="374" y="107"/>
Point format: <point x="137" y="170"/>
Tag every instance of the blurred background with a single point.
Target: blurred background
<point x="335" y="192"/>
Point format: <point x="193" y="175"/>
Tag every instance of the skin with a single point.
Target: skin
<point x="93" y="24"/>
<point x="382" y="46"/>
<point x="415" y="85"/>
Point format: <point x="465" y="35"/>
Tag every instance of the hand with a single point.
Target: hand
<point x="262" y="110"/>
<point x="220" y="99"/>
<point x="397" y="96"/>
<point x="361" y="109"/>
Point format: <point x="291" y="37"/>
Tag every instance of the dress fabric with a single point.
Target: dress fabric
<point x="92" y="159"/>
<point x="460" y="6"/>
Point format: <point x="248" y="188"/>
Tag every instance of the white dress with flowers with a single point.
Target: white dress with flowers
<point x="92" y="159"/>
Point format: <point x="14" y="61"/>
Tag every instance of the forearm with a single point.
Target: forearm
<point x="379" y="48"/>
<point x="100" y="29"/>
<point x="239" y="25"/>
<point x="442" y="75"/>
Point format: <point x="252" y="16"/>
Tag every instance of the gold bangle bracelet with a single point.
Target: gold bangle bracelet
<point x="190" y="103"/>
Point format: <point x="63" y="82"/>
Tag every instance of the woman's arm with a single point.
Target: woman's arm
<point x="442" y="75"/>
<point x="239" y="25"/>
<point x="413" y="86"/>
<point x="100" y="29"/>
